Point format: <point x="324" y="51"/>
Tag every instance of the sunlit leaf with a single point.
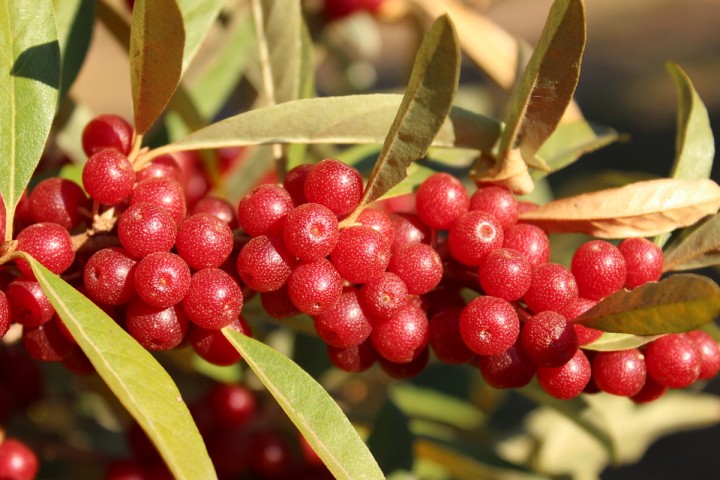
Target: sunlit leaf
<point x="75" y="20"/>
<point x="640" y="209"/>
<point x="314" y="413"/>
<point x="416" y="174"/>
<point x="391" y="441"/>
<point x="676" y="304"/>
<point x="197" y="18"/>
<point x="157" y="39"/>
<point x="610" y="342"/>
<point x="134" y="376"/>
<point x="699" y="249"/>
<point x="29" y="82"/>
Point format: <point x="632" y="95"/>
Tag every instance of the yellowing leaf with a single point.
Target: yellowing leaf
<point x="157" y="39"/>
<point x="640" y="209"/>
<point x="610" y="342"/>
<point x="699" y="249"/>
<point x="676" y="304"/>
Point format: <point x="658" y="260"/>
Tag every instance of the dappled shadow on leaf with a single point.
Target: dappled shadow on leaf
<point x="39" y="63"/>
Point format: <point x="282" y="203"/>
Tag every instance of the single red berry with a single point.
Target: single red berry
<point x="212" y="345"/>
<point x="403" y="371"/>
<point x="360" y="254"/>
<point x="270" y="455"/>
<point x="530" y="240"/>
<point x="620" y="372"/>
<point x="162" y="166"/>
<point x="418" y="265"/>
<point x="568" y="380"/>
<point x="109" y="276"/>
<point x="577" y="307"/>
<point x="552" y="287"/>
<point x="709" y="351"/>
<point x="402" y="337"/>
<point x="441" y="200"/>
<point x="156" y="328"/>
<point x="278" y="303"/>
<point x="108" y="177"/>
<point x="163" y="192"/>
<point x="48" y="243"/>
<point x="294" y="182"/>
<point x="217" y="207"/>
<point x="59" y="200"/>
<point x="497" y="201"/>
<point x="506" y="274"/>
<point x="489" y="325"/>
<point x="549" y="339"/>
<point x="473" y="236"/>
<point x="46" y="342"/>
<point x="17" y="460"/>
<point x="233" y="405"/>
<point x="311" y="231"/>
<point x="512" y="368"/>
<point x="204" y="241"/>
<point x="264" y="264"/>
<point x="408" y="229"/>
<point x="29" y="306"/>
<point x="379" y="221"/>
<point x="4" y="316"/>
<point x="334" y="184"/>
<point x="442" y="298"/>
<point x="263" y="210"/>
<point x="382" y="296"/>
<point x="644" y="261"/>
<point x="344" y="324"/>
<point x="673" y="361"/>
<point x="599" y="269"/>
<point x="214" y="299"/>
<point x="107" y="131"/>
<point x="162" y="279"/>
<point x="314" y="287"/>
<point x="445" y="339"/>
<point x="651" y="391"/>
<point x="357" y="358"/>
<point x="146" y="228"/>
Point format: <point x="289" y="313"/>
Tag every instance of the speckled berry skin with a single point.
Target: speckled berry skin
<point x="204" y="241"/>
<point x="672" y="360"/>
<point x="379" y="221"/>
<point x="46" y="342"/>
<point x="17" y="461"/>
<point x="552" y="287"/>
<point x="644" y="261"/>
<point x="48" y="243"/>
<point x="382" y="296"/>
<point x="311" y="231"/>
<point x="568" y="380"/>
<point x="709" y="351"/>
<point x="405" y="370"/>
<point x="361" y="254"/>
<point x="263" y="210"/>
<point x="164" y="192"/>
<point x="162" y="279"/>
<point x="212" y="345"/>
<point x="334" y="184"/>
<point x="278" y="304"/>
<point x="28" y="304"/>
<point x="109" y="276"/>
<point x="107" y="131"/>
<point x="506" y="274"/>
<point x="509" y="369"/>
<point x="621" y="372"/>
<point x="473" y="236"/>
<point x="585" y="335"/>
<point x="355" y="359"/>
<point x="402" y="337"/>
<point x="59" y="200"/>
<point x="314" y="287"/>
<point x="530" y="240"/>
<point x="162" y="166"/>
<point x="108" y="177"/>
<point x="4" y="314"/>
<point x="599" y="269"/>
<point x="146" y="228"/>
<point x="489" y="325"/>
<point x="498" y="202"/>
<point x="217" y="207"/>
<point x="445" y="339"/>
<point x="440" y="200"/>
<point x="294" y="182"/>
<point x="214" y="299"/>
<point x="344" y="325"/>
<point x="549" y="339"/>
<point x="156" y="328"/>
<point x="419" y="266"/>
<point x="264" y="263"/>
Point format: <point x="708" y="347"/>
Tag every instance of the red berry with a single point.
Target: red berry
<point x="599" y="269"/>
<point x="357" y="358"/>
<point x="506" y="274"/>
<point x="278" y="304"/>
<point x="214" y="299"/>
<point x="473" y="236"/>
<point x="651" y="391"/>
<point x="314" y="287"/>
<point x="402" y="371"/>
<point x="217" y="207"/>
<point x="48" y="243"/>
<point x="204" y="241"/>
<point x="441" y="200"/>
<point x="673" y="361"/>
<point x="344" y="324"/>
<point x="445" y="339"/>
<point x="408" y="229"/>
<point x="264" y="264"/>
<point x="530" y="240"/>
<point x="568" y="380"/>
<point x="489" y="325"/>
<point x="109" y="276"/>
<point x="709" y="351"/>
<point x="418" y="265"/>
<point x="361" y="254"/>
<point x="163" y="192"/>
<point x="334" y="184"/>
<point x="156" y="328"/>
<point x="146" y="228"/>
<point x="108" y="177"/>
<point x="512" y="368"/>
<point x="382" y="296"/>
<point x="60" y="201"/>
<point x="17" y="460"/>
<point x="4" y="316"/>
<point x="233" y="405"/>
<point x="294" y="182"/>
<point x="263" y="210"/>
<point x="549" y="339"/>
<point x="620" y="372"/>
<point x="380" y="221"/>
<point x="402" y="337"/>
<point x="497" y="201"/>
<point x="270" y="455"/>
<point x="29" y="306"/>
<point x="162" y="279"/>
<point x="162" y="166"/>
<point x="212" y="345"/>
<point x="311" y="231"/>
<point x="107" y="131"/>
<point x="552" y="287"/>
<point x="46" y="342"/>
<point x="644" y="261"/>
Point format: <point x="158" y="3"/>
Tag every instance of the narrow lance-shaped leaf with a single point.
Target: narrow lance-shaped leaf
<point x="29" y="82"/>
<point x="427" y="101"/>
<point x="75" y="20"/>
<point x="314" y="413"/>
<point x="197" y="18"/>
<point x="351" y="119"/>
<point x="157" y="39"/>
<point x="699" y="249"/>
<point x="610" y="342"/>
<point x="676" y="304"/>
<point x="134" y="376"/>
<point x="642" y="208"/>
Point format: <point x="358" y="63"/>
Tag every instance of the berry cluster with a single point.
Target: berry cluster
<point x="243" y="437"/>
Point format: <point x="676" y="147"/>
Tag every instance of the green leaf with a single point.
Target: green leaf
<point x="157" y="39"/>
<point x="547" y="84"/>
<point x="351" y="119"/>
<point x="416" y="174"/>
<point x="29" y="82"/>
<point x="75" y="20"/>
<point x="134" y="376"/>
<point x="391" y="441"/>
<point x="197" y="17"/>
<point x="435" y="405"/>
<point x="676" y="304"/>
<point x="699" y="249"/>
<point x="611" y="342"/>
<point x="425" y="106"/>
<point x="314" y="413"/>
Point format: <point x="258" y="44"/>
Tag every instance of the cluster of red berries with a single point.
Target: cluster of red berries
<point x="242" y="436"/>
